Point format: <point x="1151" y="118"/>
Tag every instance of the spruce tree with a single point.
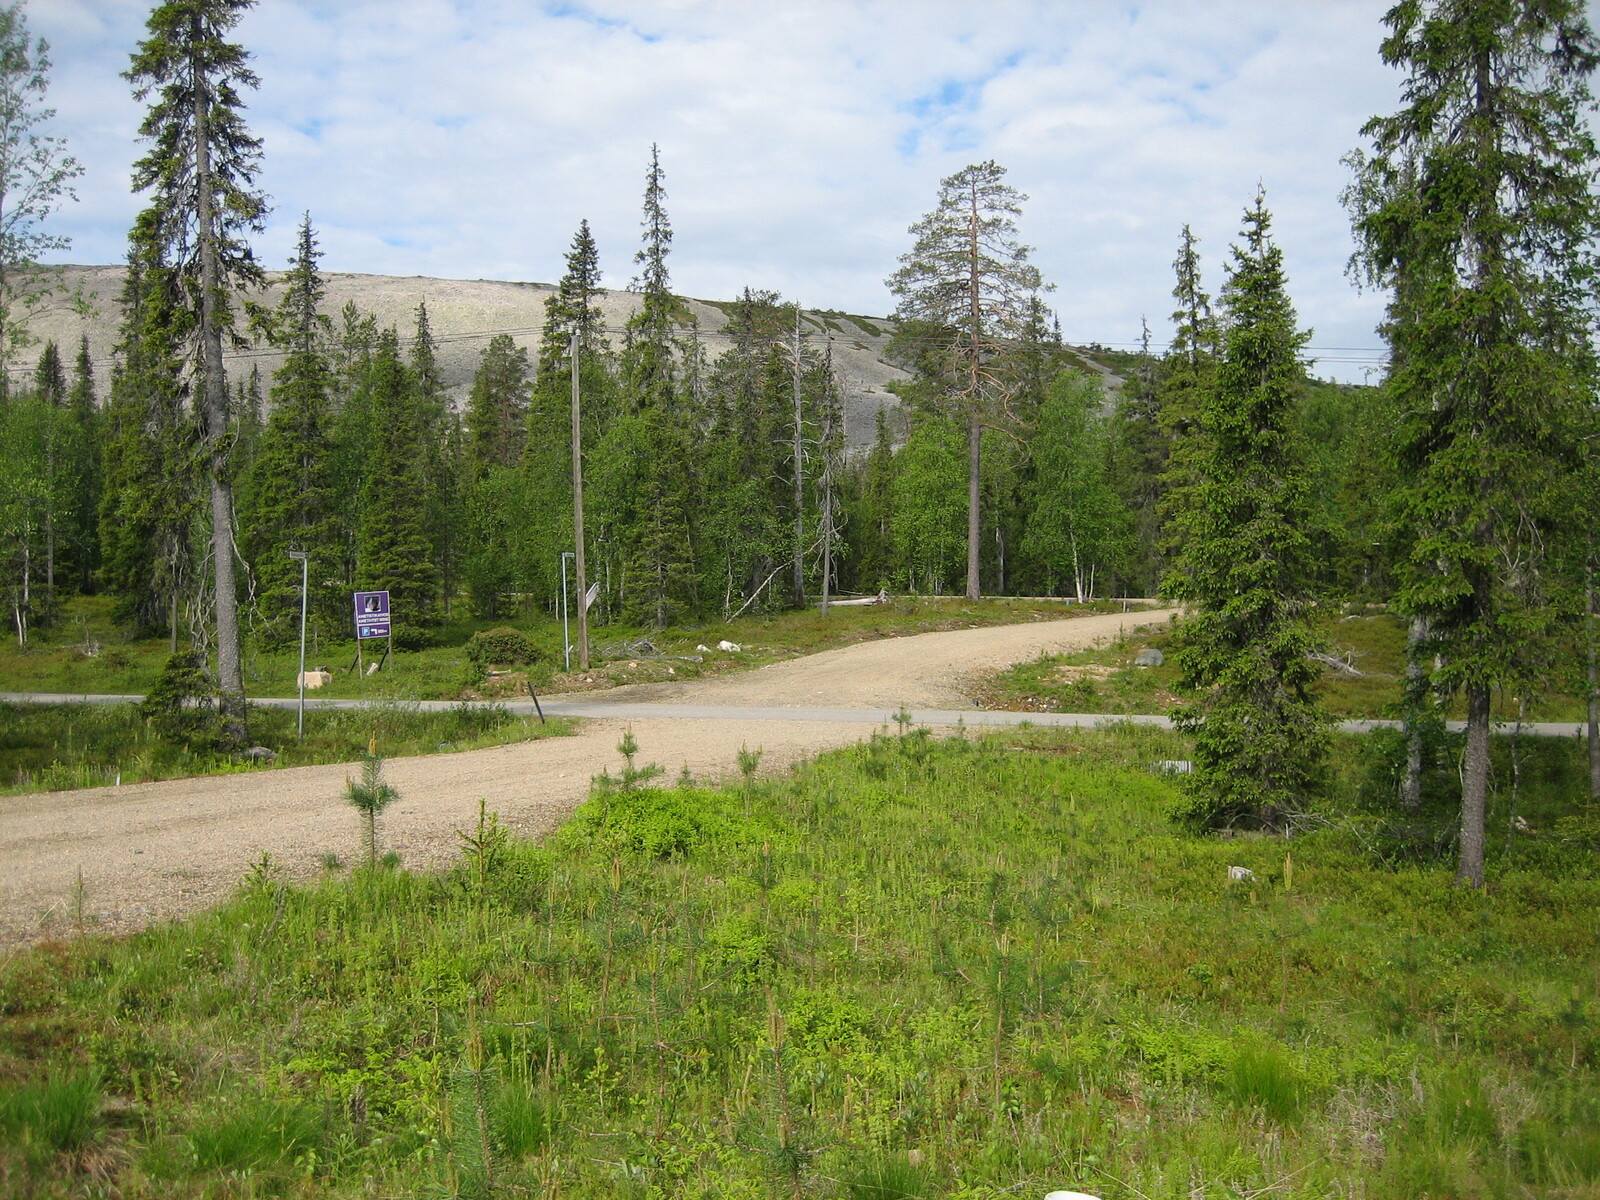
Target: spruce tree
<point x="1476" y="208"/>
<point x="546" y="527"/>
<point x="496" y="426"/>
<point x="149" y="487"/>
<point x="1244" y="564"/>
<point x="290" y="483"/>
<point x="82" y="534"/>
<point x="441" y="457"/>
<point x="392" y="547"/>
<point x="200" y="171"/>
<point x="1186" y="374"/>
<point x="646" y="475"/>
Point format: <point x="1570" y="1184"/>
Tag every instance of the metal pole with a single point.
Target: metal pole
<point x="300" y="719"/>
<point x="577" y="512"/>
<point x="566" y="638"/>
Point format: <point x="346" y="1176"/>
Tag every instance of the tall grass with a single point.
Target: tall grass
<point x="978" y="968"/>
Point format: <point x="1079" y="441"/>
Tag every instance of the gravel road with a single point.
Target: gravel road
<point x="155" y="851"/>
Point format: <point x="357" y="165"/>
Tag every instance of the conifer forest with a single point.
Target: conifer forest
<point x="734" y="990"/>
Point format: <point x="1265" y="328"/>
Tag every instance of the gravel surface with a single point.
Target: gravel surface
<point x="155" y="851"/>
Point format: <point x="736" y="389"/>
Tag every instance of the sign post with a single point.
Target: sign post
<point x="372" y="621"/>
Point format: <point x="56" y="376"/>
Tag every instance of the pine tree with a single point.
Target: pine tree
<point x="291" y="491"/>
<point x="968" y="272"/>
<point x="200" y="170"/>
<point x="36" y="175"/>
<point x="1476" y="208"/>
<point x="1244" y="566"/>
<point x="392" y="548"/>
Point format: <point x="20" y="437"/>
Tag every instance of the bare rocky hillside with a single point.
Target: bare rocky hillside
<point x="465" y="313"/>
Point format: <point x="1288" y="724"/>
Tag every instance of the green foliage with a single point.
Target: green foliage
<point x="392" y="546"/>
<point x="181" y="706"/>
<point x="369" y="796"/>
<point x="502" y="646"/>
<point x="56" y="1114"/>
<point x="1245" y="564"/>
<point x="831" y="993"/>
<point x="1475" y="208"/>
<point x="253" y="1134"/>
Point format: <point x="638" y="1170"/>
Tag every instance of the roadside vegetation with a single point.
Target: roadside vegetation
<point x="52" y="747"/>
<point x="970" y="968"/>
<point x="87" y="653"/>
<point x="1371" y="647"/>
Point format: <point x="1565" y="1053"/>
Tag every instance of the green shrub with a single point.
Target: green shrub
<point x="182" y="706"/>
<point x="501" y="646"/>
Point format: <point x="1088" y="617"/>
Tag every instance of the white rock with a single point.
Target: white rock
<point x="1240" y="874"/>
<point x="730" y="647"/>
<point x="702" y="649"/>
<point x="1069" y="1196"/>
<point x="312" y="680"/>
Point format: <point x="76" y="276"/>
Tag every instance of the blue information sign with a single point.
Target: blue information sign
<point x="372" y="615"/>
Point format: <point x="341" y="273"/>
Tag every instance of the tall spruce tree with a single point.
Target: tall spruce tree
<point x="1244" y="566"/>
<point x="496" y="429"/>
<point x="1476" y="208"/>
<point x="392" y="545"/>
<point x="968" y="272"/>
<point x="1186" y="374"/>
<point x="646" y="471"/>
<point x="291" y="485"/>
<point x="83" y="518"/>
<point x="148" y="490"/>
<point x="200" y="171"/>
<point x="546" y="528"/>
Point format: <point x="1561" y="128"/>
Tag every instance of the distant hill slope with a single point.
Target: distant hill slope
<point x="466" y="313"/>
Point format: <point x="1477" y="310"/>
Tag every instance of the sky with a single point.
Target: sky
<point x="799" y="139"/>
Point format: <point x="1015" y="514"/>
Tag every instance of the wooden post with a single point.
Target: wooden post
<point x="577" y="511"/>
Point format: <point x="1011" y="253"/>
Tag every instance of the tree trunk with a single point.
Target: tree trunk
<point x="974" y="449"/>
<point x="1474" y="786"/>
<point x="230" y="673"/>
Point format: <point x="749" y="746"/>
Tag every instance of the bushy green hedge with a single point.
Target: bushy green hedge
<point x="503" y="646"/>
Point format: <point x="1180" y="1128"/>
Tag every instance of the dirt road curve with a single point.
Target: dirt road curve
<point x="159" y="850"/>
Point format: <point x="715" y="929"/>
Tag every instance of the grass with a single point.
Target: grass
<point x="1104" y="679"/>
<point x="87" y="654"/>
<point x="52" y="747"/>
<point x="969" y="969"/>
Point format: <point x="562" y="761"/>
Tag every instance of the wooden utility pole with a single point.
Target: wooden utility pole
<point x="799" y="476"/>
<point x="577" y="511"/>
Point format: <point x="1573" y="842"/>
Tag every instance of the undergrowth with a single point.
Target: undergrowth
<point x="53" y="747"/>
<point x="970" y="968"/>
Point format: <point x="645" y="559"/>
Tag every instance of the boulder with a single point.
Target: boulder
<point x="312" y="680"/>
<point x="1149" y="657"/>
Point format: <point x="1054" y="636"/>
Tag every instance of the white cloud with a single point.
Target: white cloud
<point x="799" y="138"/>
